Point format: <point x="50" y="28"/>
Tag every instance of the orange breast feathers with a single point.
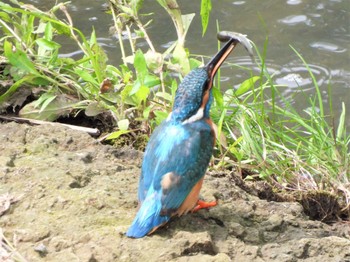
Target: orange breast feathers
<point x="191" y="200"/>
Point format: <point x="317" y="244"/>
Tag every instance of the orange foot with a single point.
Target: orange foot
<point x="202" y="204"/>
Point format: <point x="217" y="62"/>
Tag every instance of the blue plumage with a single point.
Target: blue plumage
<point x="189" y="95"/>
<point x="184" y="150"/>
<point x="178" y="152"/>
<point x="148" y="216"/>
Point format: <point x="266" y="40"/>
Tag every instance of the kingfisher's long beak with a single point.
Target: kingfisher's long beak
<point x="233" y="39"/>
<point x="214" y="64"/>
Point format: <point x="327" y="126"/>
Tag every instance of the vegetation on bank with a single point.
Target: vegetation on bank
<point x="258" y="137"/>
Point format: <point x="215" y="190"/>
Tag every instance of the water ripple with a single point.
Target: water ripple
<point x="238" y="3"/>
<point x="295" y="19"/>
<point x="294" y="2"/>
<point x="293" y="75"/>
<point x="326" y="46"/>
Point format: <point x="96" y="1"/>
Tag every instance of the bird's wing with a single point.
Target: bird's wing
<point x="175" y="160"/>
<point x="149" y="160"/>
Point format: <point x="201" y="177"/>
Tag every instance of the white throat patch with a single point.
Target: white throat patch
<point x="195" y="117"/>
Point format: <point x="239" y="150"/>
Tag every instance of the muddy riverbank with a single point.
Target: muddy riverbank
<point x="72" y="199"/>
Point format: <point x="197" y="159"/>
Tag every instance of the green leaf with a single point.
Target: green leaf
<point x="166" y="96"/>
<point x="113" y="72"/>
<point x="140" y="65"/>
<point x="61" y="105"/>
<point x="125" y="95"/>
<point x="40" y="29"/>
<point x="205" y="13"/>
<point x="341" y="125"/>
<point x="186" y="21"/>
<point x="136" y="86"/>
<point x="98" y="59"/>
<point x="127" y="10"/>
<point x="136" y="5"/>
<point x="4" y="16"/>
<point x="86" y="76"/>
<point x="19" y="59"/>
<point x="151" y="81"/>
<point x="141" y="95"/>
<point x="61" y="28"/>
<point x="139" y="33"/>
<point x="48" y="31"/>
<point x="181" y="57"/>
<point x="246" y="85"/>
<point x="28" y="28"/>
<point x="117" y="134"/>
<point x="37" y="103"/>
<point x="173" y="89"/>
<point x="93" y="39"/>
<point x="154" y="60"/>
<point x="218" y="97"/>
<point x="110" y="97"/>
<point x="47" y="102"/>
<point x="160" y="116"/>
<point x="194" y="63"/>
<point x="221" y="138"/>
<point x="14" y="87"/>
<point x="146" y="112"/>
<point x="40" y="81"/>
<point x="123" y="124"/>
<point x="94" y="108"/>
<point x="47" y="44"/>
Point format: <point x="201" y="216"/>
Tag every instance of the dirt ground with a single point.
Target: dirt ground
<point x="66" y="197"/>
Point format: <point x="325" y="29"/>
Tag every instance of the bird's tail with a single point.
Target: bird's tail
<point x="148" y="217"/>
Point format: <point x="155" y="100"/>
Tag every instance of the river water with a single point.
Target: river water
<point x="319" y="30"/>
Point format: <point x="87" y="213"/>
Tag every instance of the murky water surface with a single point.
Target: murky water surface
<point x="319" y="30"/>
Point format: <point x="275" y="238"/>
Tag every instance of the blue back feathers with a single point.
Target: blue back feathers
<point x="182" y="150"/>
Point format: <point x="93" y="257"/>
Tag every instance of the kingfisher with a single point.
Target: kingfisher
<point x="180" y="148"/>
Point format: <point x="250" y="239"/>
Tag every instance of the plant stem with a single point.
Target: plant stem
<point x="145" y="35"/>
<point x="16" y="36"/>
<point x="119" y="32"/>
<point x="174" y="11"/>
<point x="132" y="45"/>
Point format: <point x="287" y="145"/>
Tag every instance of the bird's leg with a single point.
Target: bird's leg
<point x="202" y="204"/>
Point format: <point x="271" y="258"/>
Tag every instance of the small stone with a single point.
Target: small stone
<point x="6" y="161"/>
<point x="41" y="249"/>
<point x="70" y="140"/>
<point x="75" y="184"/>
<point x="253" y="235"/>
<point x="237" y="230"/>
<point x="196" y="243"/>
<point x="274" y="222"/>
<point x="86" y="157"/>
<point x="10" y="162"/>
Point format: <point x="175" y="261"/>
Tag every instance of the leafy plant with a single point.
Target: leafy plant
<point x="296" y="151"/>
<point x="140" y="89"/>
<point x="205" y="14"/>
<point x="33" y="62"/>
<point x="153" y="90"/>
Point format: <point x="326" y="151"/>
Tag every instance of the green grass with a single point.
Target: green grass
<point x="296" y="151"/>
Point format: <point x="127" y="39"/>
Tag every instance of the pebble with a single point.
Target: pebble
<point x="41" y="248"/>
